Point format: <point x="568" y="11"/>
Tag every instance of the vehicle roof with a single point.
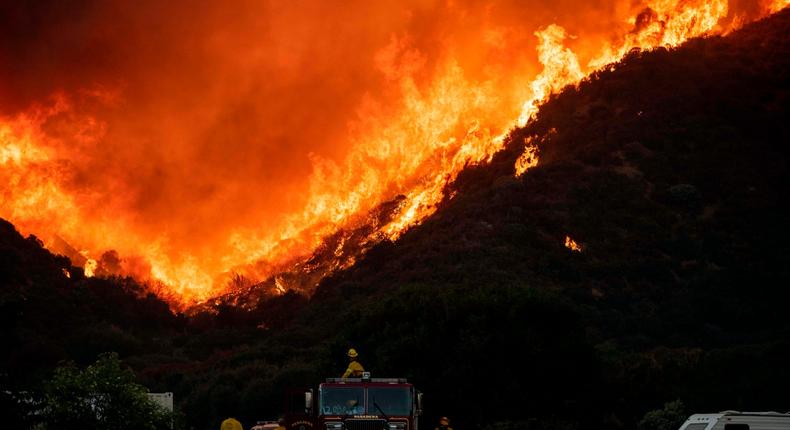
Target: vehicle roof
<point x="372" y="382"/>
<point x="739" y="413"/>
<point x="767" y="413"/>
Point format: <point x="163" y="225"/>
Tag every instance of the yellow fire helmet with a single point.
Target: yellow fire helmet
<point x="352" y="353"/>
<point x="231" y="424"/>
<point x="444" y="421"/>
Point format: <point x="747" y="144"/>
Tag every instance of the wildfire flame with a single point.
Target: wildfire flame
<point x="528" y="159"/>
<point x="560" y="69"/>
<point x="433" y="116"/>
<point x="572" y="245"/>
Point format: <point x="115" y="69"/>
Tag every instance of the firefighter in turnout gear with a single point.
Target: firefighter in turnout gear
<point x="354" y="368"/>
<point x="444" y="424"/>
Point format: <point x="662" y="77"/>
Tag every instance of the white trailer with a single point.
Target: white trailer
<point x="164" y="400"/>
<point x="734" y="420"/>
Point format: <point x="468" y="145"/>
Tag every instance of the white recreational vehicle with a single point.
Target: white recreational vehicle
<point x="734" y="420"/>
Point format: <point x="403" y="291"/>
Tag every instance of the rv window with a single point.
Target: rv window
<point x="697" y="426"/>
<point x="736" y="426"/>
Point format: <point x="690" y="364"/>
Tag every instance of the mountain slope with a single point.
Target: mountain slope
<point x="671" y="171"/>
<point x="711" y="115"/>
<point x="51" y="312"/>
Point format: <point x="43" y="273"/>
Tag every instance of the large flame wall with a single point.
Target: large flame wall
<point x="198" y="138"/>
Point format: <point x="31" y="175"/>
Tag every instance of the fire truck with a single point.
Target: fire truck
<point x="358" y="404"/>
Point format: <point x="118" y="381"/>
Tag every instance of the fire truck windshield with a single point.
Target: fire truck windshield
<point x="391" y="400"/>
<point x="342" y="401"/>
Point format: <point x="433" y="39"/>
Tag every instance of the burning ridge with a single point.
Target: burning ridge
<point x="392" y="178"/>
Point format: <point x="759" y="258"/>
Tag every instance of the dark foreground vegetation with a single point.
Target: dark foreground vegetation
<point x="671" y="172"/>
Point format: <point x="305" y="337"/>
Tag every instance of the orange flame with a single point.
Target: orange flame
<point x="777" y="5"/>
<point x="528" y="159"/>
<point x="438" y="113"/>
<point x="90" y="268"/>
<point x="560" y="68"/>
<point x="572" y="245"/>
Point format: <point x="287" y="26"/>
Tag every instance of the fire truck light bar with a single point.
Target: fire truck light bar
<point x="379" y="380"/>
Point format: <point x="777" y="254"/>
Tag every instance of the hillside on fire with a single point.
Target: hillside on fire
<point x="644" y="259"/>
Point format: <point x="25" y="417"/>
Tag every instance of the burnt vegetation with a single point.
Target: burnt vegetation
<point x="670" y="170"/>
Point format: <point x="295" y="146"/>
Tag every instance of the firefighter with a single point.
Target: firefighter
<point x="354" y="368"/>
<point x="444" y="424"/>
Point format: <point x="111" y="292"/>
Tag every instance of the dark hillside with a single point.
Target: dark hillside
<point x="51" y="312"/>
<point x="673" y="156"/>
<point x="671" y="170"/>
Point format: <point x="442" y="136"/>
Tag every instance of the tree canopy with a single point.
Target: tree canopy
<point x="102" y="396"/>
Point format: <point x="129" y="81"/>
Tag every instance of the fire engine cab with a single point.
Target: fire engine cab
<point x="360" y="404"/>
